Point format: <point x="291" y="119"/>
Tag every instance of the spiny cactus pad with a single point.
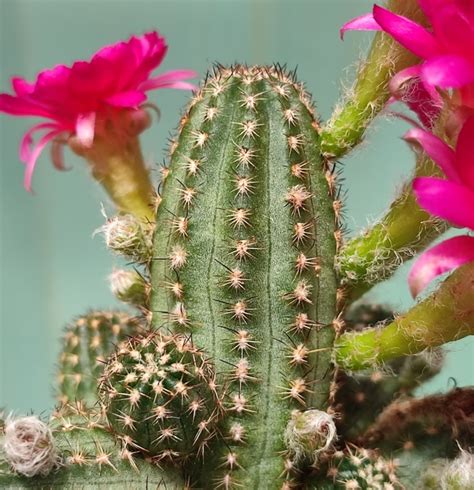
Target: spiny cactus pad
<point x="246" y="234"/>
<point x="160" y="396"/>
<point x="87" y="342"/>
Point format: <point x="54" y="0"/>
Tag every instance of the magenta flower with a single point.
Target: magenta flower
<point x="451" y="199"/>
<point x="446" y="48"/>
<point x="76" y="100"/>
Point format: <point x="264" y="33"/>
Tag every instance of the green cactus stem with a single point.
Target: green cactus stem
<point x="90" y="458"/>
<point x="246" y="235"/>
<point x="443" y="317"/>
<point x="361" y="396"/>
<point x="87" y="342"/>
<point x="405" y="230"/>
<point x="370" y="92"/>
<point x="116" y="161"/>
<point x="159" y="393"/>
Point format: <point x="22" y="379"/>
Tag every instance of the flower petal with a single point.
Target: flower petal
<point x="21" y="86"/>
<point x="408" y="33"/>
<point x="442" y="154"/>
<point x="170" y="79"/>
<point x="27" y="140"/>
<point x="448" y="200"/>
<point x="132" y="98"/>
<point x="85" y="126"/>
<point x="17" y="106"/>
<point x="448" y="71"/>
<point x="445" y="257"/>
<point x="365" y="22"/>
<point x="30" y="164"/>
<point x="464" y="153"/>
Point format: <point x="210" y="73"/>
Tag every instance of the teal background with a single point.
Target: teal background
<point x="52" y="269"/>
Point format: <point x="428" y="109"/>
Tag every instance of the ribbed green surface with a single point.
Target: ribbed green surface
<point x="259" y="376"/>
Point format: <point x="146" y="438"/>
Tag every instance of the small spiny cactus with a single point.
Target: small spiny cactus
<point x="159" y="393"/>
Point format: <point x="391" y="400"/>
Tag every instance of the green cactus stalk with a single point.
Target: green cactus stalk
<point x="444" y="316"/>
<point x="246" y="234"/>
<point x="406" y="229"/>
<point x="86" y="344"/>
<point x="370" y="93"/>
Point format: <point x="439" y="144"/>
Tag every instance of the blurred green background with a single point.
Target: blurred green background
<point x="52" y="269"/>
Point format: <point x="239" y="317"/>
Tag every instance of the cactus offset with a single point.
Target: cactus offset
<point x="159" y="394"/>
<point x="246" y="234"/>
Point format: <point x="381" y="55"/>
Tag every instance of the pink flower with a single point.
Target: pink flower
<point x="451" y="199"/>
<point x="76" y="99"/>
<point x="446" y="48"/>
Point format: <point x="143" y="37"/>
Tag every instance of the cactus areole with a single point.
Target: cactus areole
<point x="246" y="234"/>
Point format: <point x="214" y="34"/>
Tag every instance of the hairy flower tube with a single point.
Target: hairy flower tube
<point x="446" y="47"/>
<point x="96" y="107"/>
<point x="451" y="199"/>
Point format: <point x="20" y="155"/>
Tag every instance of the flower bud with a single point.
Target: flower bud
<point x="128" y="236"/>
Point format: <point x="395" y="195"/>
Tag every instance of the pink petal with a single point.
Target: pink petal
<point x="27" y="140"/>
<point x="465" y="154"/>
<point x="445" y="257"/>
<point x="423" y="100"/>
<point x="448" y="71"/>
<point x="16" y="106"/>
<point x="85" y="125"/>
<point x="448" y="200"/>
<point x="30" y="164"/>
<point x="442" y="154"/>
<point x="21" y="86"/>
<point x="170" y="79"/>
<point x="133" y="98"/>
<point x="408" y="33"/>
<point x="57" y="153"/>
<point x="364" y="22"/>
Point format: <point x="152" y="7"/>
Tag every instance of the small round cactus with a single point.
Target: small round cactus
<point x="160" y="396"/>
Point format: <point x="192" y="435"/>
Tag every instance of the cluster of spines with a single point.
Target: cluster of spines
<point x="87" y="342"/>
<point x="160" y="397"/>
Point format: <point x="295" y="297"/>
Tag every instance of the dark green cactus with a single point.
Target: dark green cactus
<point x="246" y="233"/>
<point x="87" y="342"/>
<point x="159" y="393"/>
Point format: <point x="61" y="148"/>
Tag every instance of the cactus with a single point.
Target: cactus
<point x="159" y="393"/>
<point x="89" y="458"/>
<point x="87" y="342"/>
<point x="239" y="373"/>
<point x="246" y="233"/>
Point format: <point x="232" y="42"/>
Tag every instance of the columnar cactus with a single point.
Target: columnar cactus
<point x="246" y="233"/>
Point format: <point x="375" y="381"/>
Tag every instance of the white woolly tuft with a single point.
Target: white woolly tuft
<point x="29" y="446"/>
<point x="310" y="433"/>
<point x="460" y="472"/>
